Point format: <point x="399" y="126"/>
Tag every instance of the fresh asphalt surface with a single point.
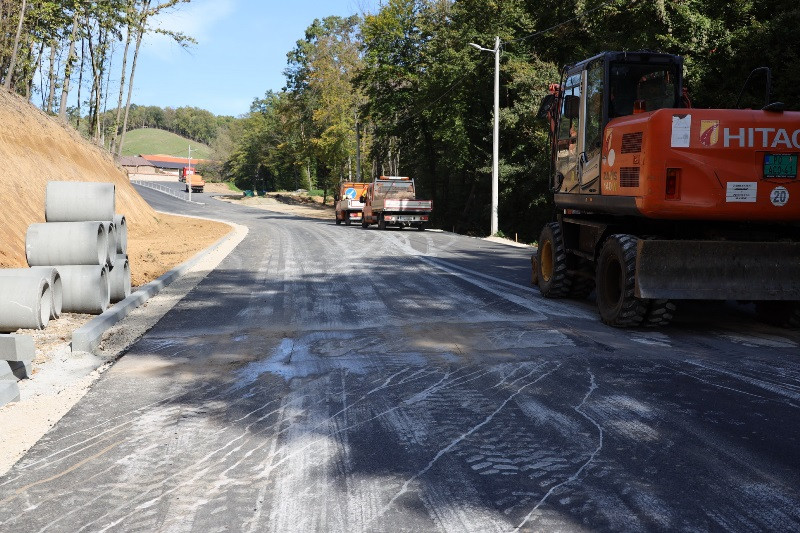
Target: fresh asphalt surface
<point x="330" y="378"/>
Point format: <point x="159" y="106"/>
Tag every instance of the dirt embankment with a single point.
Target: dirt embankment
<point x="36" y="148"/>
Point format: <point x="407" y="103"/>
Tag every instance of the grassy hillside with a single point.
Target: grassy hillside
<point x="155" y="141"/>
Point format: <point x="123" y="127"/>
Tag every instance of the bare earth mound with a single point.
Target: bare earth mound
<point x="35" y="149"/>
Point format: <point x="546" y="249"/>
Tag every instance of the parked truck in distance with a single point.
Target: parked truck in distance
<point x="392" y="201"/>
<point x="349" y="205"/>
<point x="195" y="180"/>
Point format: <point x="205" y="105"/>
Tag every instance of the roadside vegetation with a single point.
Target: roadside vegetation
<point x="400" y="91"/>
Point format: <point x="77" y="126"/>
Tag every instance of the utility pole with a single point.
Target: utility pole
<point x="496" y="133"/>
<point x="189" y="174"/>
<point x="358" y="149"/>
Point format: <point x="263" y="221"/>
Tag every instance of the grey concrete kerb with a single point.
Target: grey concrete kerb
<point x="87" y="338"/>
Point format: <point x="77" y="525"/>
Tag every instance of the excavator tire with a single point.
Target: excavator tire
<point x="659" y="313"/>
<point x="616" y="283"/>
<point x="347" y="221"/>
<point x="364" y="223"/>
<point x="338" y="222"/>
<point x="551" y="262"/>
<point x="784" y="314"/>
<point x="381" y="223"/>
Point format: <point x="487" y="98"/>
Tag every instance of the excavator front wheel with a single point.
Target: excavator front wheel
<point x="551" y="263"/>
<point x="616" y="282"/>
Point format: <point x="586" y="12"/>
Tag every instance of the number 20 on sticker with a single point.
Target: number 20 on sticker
<point x="779" y="196"/>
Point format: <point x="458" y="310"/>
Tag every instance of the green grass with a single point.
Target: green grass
<point x="155" y="141"/>
<point x="233" y="187"/>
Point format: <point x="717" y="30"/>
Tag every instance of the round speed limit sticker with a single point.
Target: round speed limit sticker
<point x="779" y="196"/>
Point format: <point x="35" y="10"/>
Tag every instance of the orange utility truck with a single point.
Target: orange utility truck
<point x="348" y="202"/>
<point x="658" y="202"/>
<point x="195" y="180"/>
<point x="392" y="201"/>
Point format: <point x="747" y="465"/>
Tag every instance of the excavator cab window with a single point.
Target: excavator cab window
<point x="638" y="88"/>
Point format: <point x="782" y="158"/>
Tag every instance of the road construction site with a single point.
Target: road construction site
<point x="331" y="378"/>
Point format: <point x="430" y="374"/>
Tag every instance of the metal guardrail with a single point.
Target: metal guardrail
<point x="166" y="190"/>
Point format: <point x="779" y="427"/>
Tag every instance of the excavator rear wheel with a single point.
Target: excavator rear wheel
<point x="616" y="283"/>
<point x="551" y="262"/>
<point x="785" y="314"/>
<point x="381" y="223"/>
<point x="659" y="313"/>
<point x="347" y="221"/>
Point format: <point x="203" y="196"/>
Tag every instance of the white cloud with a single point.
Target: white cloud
<point x="196" y="19"/>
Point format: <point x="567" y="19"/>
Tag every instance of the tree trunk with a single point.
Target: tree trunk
<point x="62" y="109"/>
<point x="140" y="29"/>
<point x="51" y="79"/>
<point x="114" y="134"/>
<point x="13" y="63"/>
<point x="80" y="81"/>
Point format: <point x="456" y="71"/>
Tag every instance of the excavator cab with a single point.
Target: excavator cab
<point x="594" y="92"/>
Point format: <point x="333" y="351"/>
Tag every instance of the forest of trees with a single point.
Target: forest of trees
<point x="400" y="90"/>
<point x="50" y="48"/>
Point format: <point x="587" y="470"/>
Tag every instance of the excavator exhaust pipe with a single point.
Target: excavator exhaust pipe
<point x="718" y="270"/>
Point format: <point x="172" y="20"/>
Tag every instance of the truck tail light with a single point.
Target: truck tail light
<point x="424" y="217"/>
<point x="673" y="185"/>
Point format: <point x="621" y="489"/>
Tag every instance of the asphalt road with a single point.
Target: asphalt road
<point x="330" y="378"/>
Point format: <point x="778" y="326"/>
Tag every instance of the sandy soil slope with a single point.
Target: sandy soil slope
<point x="36" y="148"/>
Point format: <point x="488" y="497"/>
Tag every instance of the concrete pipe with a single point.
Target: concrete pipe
<point x="122" y="233"/>
<point x="86" y="288"/>
<point x="79" y="201"/>
<point x="111" y="237"/>
<point x="24" y="303"/>
<point x="51" y="275"/>
<point x="120" y="279"/>
<point x="66" y="243"/>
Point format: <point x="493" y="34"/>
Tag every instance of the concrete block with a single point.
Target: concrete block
<point x="5" y="371"/>
<point x="9" y="392"/>
<point x="17" y="348"/>
<point x="21" y="369"/>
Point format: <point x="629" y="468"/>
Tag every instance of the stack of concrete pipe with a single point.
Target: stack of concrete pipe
<point x="77" y="259"/>
<point x="86" y="241"/>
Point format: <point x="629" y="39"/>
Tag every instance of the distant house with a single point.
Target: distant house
<point x="170" y="163"/>
<point x="136" y="165"/>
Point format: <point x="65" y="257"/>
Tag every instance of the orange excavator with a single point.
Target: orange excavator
<point x="658" y="202"/>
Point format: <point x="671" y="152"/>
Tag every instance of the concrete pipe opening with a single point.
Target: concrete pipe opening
<point x="121" y="226"/>
<point x="78" y="201"/>
<point x="66" y="243"/>
<point x="120" y="279"/>
<point x="85" y="287"/>
<point x="24" y="303"/>
<point x="53" y="278"/>
<point x="111" y="240"/>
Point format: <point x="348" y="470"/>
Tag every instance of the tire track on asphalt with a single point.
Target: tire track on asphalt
<point x="578" y="409"/>
<point x="469" y="432"/>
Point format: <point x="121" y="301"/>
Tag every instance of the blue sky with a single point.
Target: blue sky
<point x="241" y="51"/>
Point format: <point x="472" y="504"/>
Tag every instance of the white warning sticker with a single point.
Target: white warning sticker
<point x="681" y="129"/>
<point x="741" y="191"/>
<point x="779" y="196"/>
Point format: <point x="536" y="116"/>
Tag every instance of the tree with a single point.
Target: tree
<point x="137" y="23"/>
